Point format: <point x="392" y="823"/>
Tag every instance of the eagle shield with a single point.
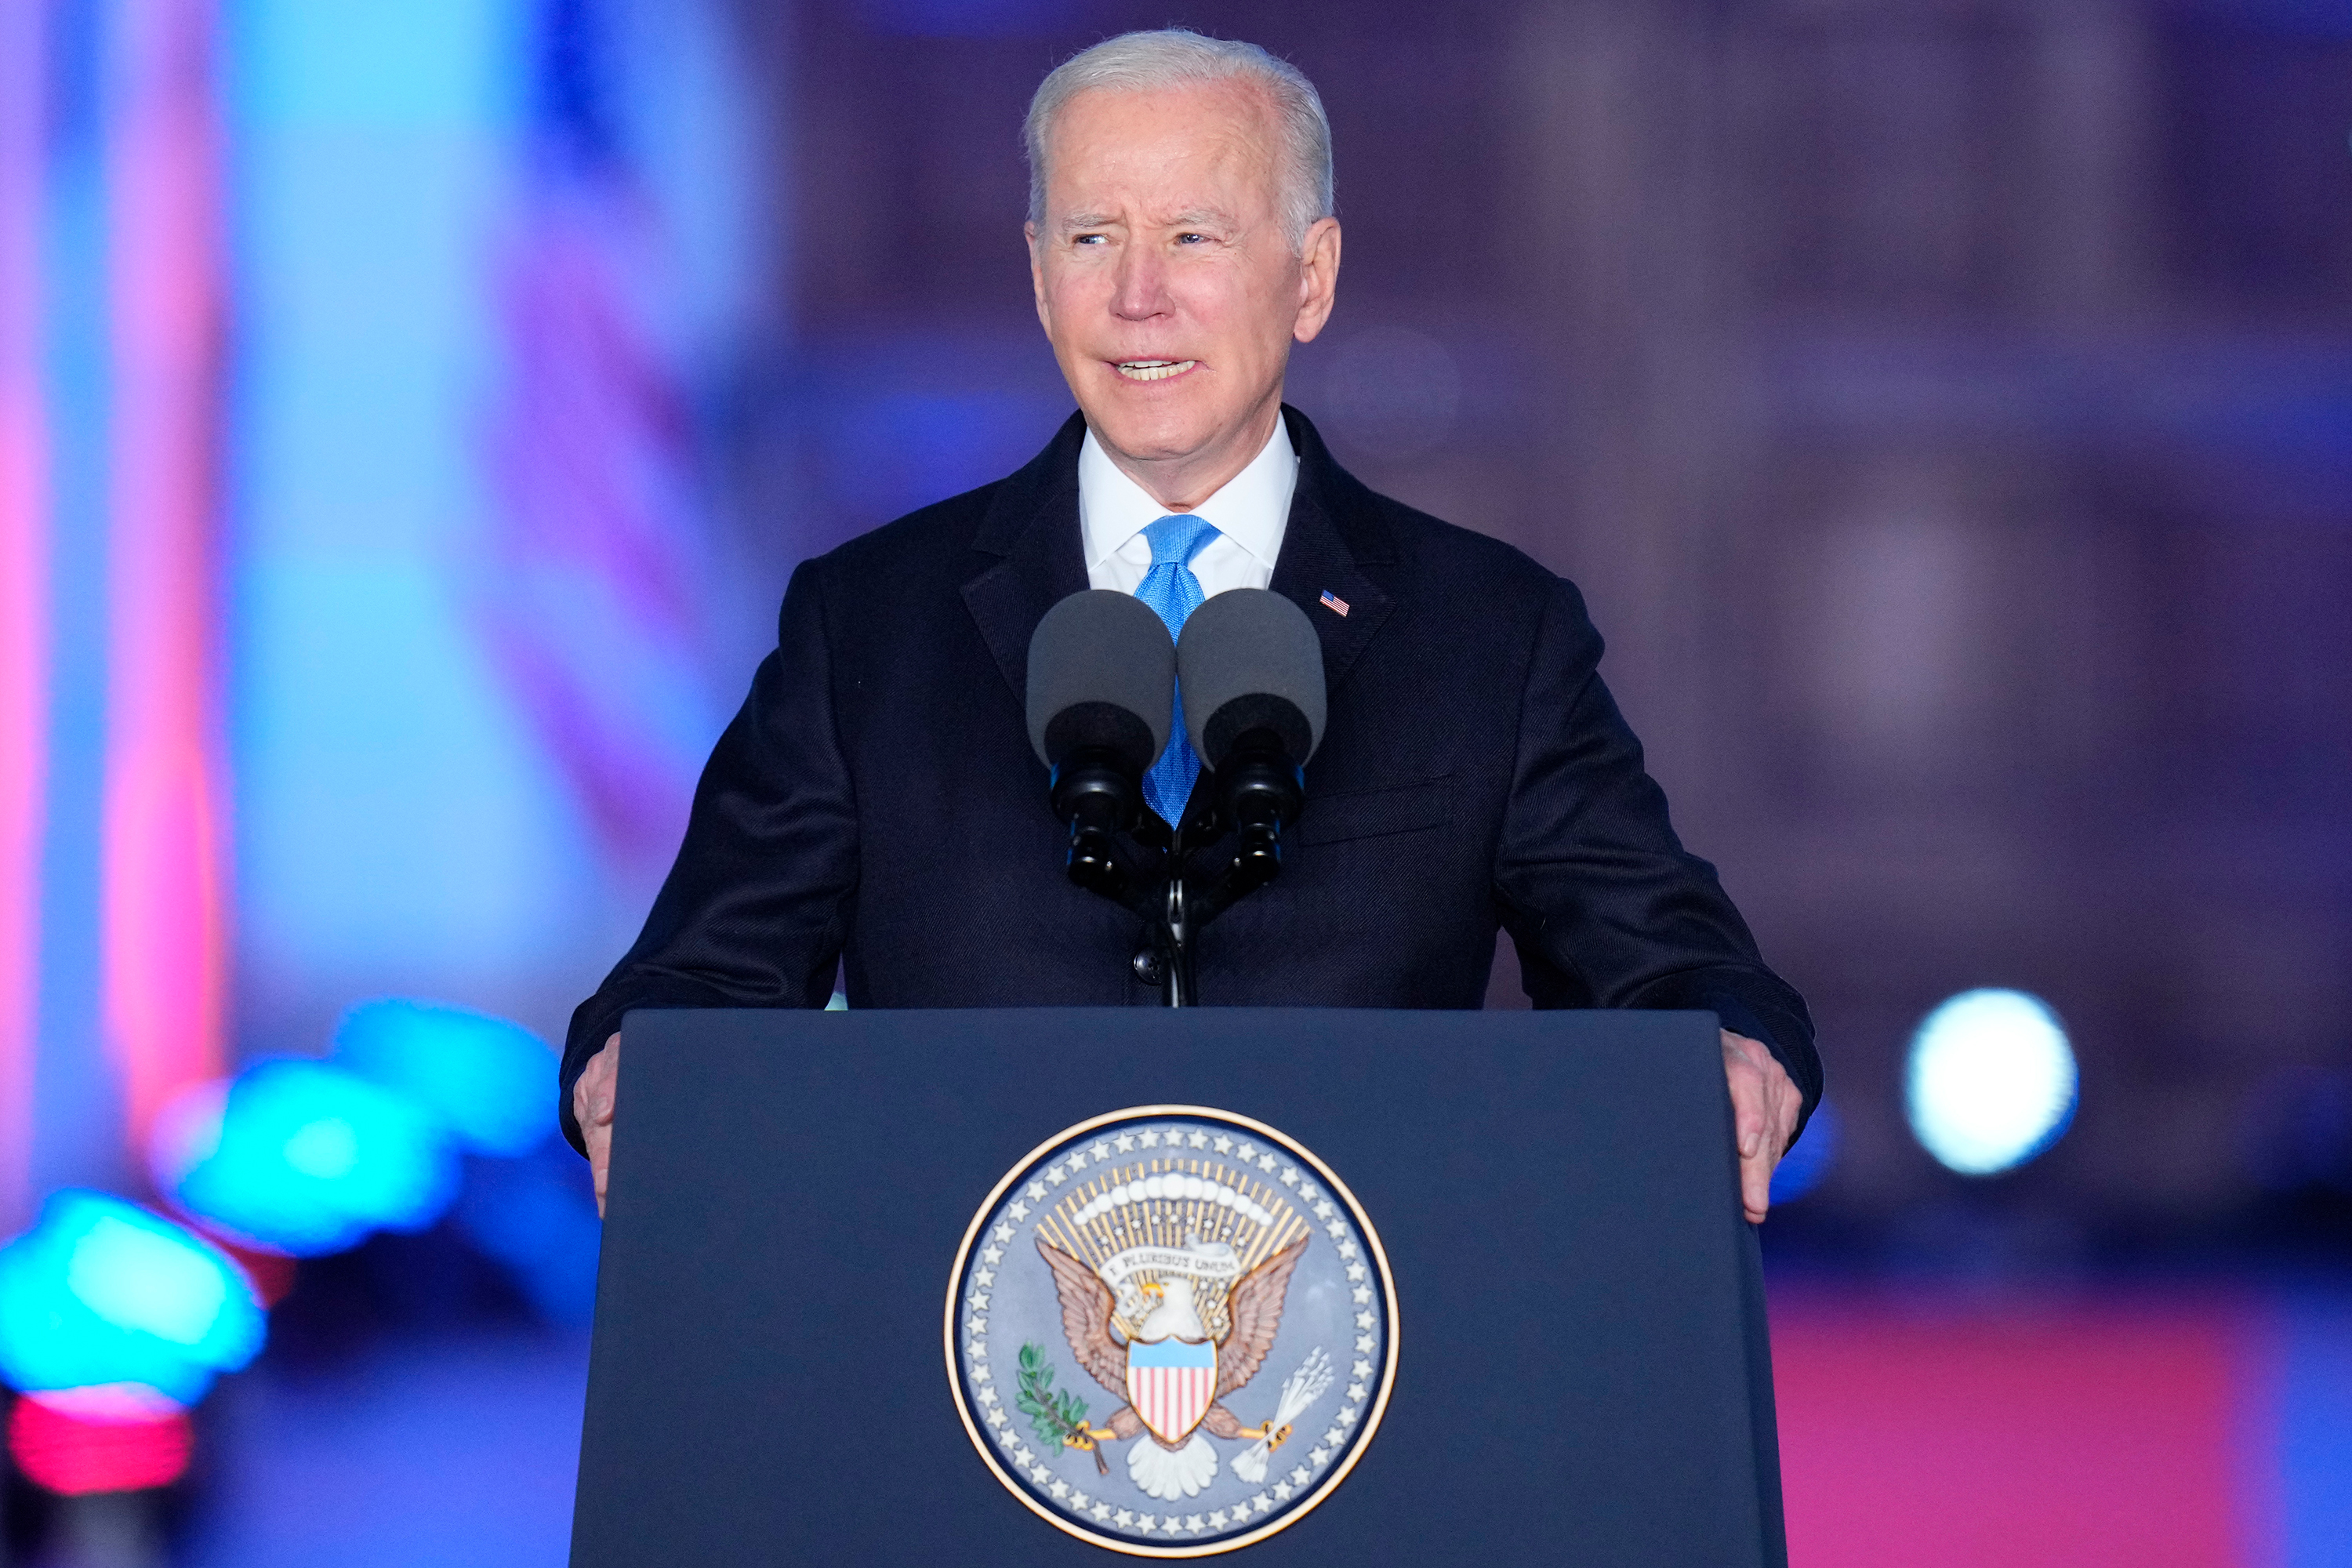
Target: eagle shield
<point x="1171" y="1383"/>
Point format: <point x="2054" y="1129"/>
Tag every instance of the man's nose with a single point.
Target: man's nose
<point x="1142" y="292"/>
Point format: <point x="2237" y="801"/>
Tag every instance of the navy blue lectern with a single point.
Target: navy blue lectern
<point x="1577" y="1371"/>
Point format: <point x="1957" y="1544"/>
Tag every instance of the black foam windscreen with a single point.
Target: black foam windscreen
<point x="1278" y="716"/>
<point x="1102" y="671"/>
<point x="1250" y="660"/>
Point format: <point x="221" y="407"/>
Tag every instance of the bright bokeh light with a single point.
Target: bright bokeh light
<point x="1991" y="1081"/>
<point x="326" y="1149"/>
<point x="116" y="1437"/>
<point x="304" y="1158"/>
<point x="100" y="1292"/>
<point x="136" y="1277"/>
<point x="491" y="1082"/>
<point x="1801" y="1170"/>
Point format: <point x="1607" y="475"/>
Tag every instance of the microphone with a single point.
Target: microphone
<point x="1251" y="670"/>
<point x="1102" y="689"/>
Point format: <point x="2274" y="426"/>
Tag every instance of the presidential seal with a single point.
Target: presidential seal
<point x="1170" y="1331"/>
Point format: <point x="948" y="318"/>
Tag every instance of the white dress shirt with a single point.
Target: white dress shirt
<point x="1250" y="513"/>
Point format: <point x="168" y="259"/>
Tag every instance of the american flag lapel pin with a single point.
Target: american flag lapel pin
<point x="1332" y="601"/>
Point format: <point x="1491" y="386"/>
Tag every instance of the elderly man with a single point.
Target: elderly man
<point x="875" y="804"/>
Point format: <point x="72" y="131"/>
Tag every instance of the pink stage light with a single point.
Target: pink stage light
<point x="23" y="587"/>
<point x="2048" y="1433"/>
<point x="120" y="1437"/>
<point x="165" y="852"/>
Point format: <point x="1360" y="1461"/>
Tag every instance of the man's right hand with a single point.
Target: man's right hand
<point x="591" y="1107"/>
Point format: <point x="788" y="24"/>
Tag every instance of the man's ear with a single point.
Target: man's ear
<point x="1318" y="278"/>
<point x="1037" y="277"/>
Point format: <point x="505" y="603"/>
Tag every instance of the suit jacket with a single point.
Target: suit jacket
<point x="877" y="802"/>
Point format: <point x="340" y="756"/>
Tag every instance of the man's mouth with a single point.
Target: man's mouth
<point x="1154" y="369"/>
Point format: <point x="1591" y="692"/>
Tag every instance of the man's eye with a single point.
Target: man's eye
<point x="1192" y="240"/>
<point x="1091" y="239"/>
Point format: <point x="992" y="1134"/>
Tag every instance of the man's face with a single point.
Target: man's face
<point x="1164" y="277"/>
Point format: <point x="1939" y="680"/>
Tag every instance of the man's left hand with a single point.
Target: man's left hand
<point x="1764" y="1107"/>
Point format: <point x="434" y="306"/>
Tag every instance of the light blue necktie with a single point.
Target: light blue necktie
<point x="1173" y="593"/>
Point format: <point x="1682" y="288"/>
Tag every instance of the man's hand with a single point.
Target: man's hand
<point x="591" y="1107"/>
<point x="1764" y="1106"/>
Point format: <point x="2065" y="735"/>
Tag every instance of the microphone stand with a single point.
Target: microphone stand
<point x="1256" y="792"/>
<point x="1177" y="931"/>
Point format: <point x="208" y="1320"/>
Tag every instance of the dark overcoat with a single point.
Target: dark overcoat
<point x="875" y="804"/>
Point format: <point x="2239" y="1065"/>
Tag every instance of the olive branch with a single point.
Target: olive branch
<point x="1056" y="1418"/>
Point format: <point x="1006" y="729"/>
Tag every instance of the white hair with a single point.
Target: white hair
<point x="1178" y="57"/>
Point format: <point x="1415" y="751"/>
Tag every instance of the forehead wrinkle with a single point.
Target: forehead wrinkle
<point x="1194" y="215"/>
<point x="1201" y="216"/>
<point x="1242" y="148"/>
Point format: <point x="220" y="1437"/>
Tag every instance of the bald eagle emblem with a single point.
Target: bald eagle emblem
<point x="1172" y="1345"/>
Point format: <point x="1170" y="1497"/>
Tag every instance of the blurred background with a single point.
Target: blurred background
<point x="409" y="416"/>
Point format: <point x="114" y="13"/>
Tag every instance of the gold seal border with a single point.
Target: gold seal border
<point x="1020" y="1489"/>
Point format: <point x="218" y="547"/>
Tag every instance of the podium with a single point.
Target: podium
<point x="1580" y="1374"/>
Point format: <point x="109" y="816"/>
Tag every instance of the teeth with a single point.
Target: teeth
<point x="1154" y="369"/>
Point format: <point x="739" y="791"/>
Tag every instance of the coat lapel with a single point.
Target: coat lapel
<point x="1334" y="530"/>
<point x="1029" y="539"/>
<point x="1032" y="558"/>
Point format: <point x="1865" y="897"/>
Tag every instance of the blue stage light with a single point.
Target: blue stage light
<point x="492" y="1082"/>
<point x="1991" y="1081"/>
<point x="1802" y="1168"/>
<point x="305" y="1158"/>
<point x="137" y="1278"/>
<point x="100" y="1292"/>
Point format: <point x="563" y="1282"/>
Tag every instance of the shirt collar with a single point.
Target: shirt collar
<point x="1252" y="508"/>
